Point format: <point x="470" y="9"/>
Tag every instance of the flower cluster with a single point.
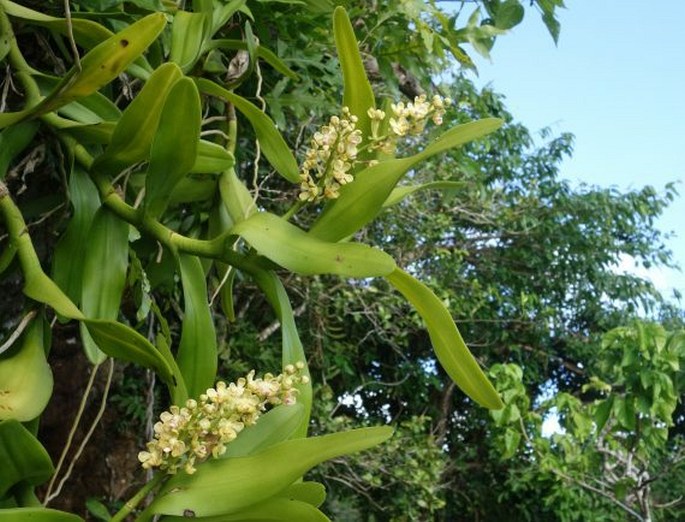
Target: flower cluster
<point x="330" y="157"/>
<point x="204" y="427"/>
<point x="410" y="119"/>
<point x="333" y="150"/>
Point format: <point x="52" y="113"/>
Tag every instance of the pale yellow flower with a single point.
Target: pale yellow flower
<point x="184" y="436"/>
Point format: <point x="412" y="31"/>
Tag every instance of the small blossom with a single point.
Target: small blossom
<point x="330" y="157"/>
<point x="376" y="114"/>
<point x="410" y="119"/>
<point x="184" y="436"/>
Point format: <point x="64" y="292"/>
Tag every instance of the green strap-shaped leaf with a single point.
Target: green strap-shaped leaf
<point x="37" y="514"/>
<point x="87" y="33"/>
<point x="178" y="392"/>
<point x="270" y="139"/>
<point x="133" y="135"/>
<point x="235" y="196"/>
<point x="91" y="109"/>
<point x="104" y="274"/>
<point x="13" y="141"/>
<point x="276" y="426"/>
<point x="70" y="252"/>
<point x="173" y="153"/>
<point x="255" y="478"/>
<point x="311" y="492"/>
<point x="115" y="339"/>
<point x="194" y="187"/>
<point x="448" y="344"/>
<point x="22" y="457"/>
<point x="91" y="134"/>
<point x="99" y="66"/>
<point x="271" y="510"/>
<point x="362" y="200"/>
<point x="358" y="94"/>
<point x="211" y="158"/>
<point x="299" y="252"/>
<point x="5" y="30"/>
<point x="106" y="61"/>
<point x="25" y="377"/>
<point x="400" y="193"/>
<point x="292" y="350"/>
<point x="187" y="38"/>
<point x="197" y="352"/>
<point x="121" y="342"/>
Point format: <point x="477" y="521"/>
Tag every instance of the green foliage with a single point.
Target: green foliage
<point x="404" y="480"/>
<point x="142" y="184"/>
<point x="510" y="256"/>
<point x="613" y="440"/>
<point x="164" y="135"/>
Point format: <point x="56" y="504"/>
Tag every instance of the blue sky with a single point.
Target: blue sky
<point x="617" y="81"/>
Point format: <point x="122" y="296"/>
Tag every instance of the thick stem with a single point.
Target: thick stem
<point x="19" y="64"/>
<point x="218" y="248"/>
<point x="136" y="499"/>
<point x="18" y="233"/>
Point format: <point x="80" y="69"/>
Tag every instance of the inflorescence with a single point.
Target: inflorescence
<point x="184" y="436"/>
<point x="329" y="158"/>
<point x="333" y="150"/>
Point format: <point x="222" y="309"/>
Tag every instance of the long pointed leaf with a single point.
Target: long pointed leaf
<point x="86" y="32"/>
<point x="135" y="131"/>
<point x="70" y="252"/>
<point x="273" y="145"/>
<point x="22" y="457"/>
<point x="225" y="486"/>
<point x="104" y="274"/>
<point x="292" y="351"/>
<point x="270" y="510"/>
<point x="99" y="66"/>
<point x="37" y="514"/>
<point x="187" y="38"/>
<point x="448" y="344"/>
<point x="197" y="352"/>
<point x="274" y="427"/>
<point x="358" y="94"/>
<point x="173" y="153"/>
<point x="294" y="249"/>
<point x="400" y="193"/>
<point x="362" y="200"/>
<point x="121" y="342"/>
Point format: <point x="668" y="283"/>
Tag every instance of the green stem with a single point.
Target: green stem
<point x="19" y="64"/>
<point x="293" y="209"/>
<point x="18" y="233"/>
<point x="136" y="499"/>
<point x="232" y="124"/>
<point x="218" y="248"/>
